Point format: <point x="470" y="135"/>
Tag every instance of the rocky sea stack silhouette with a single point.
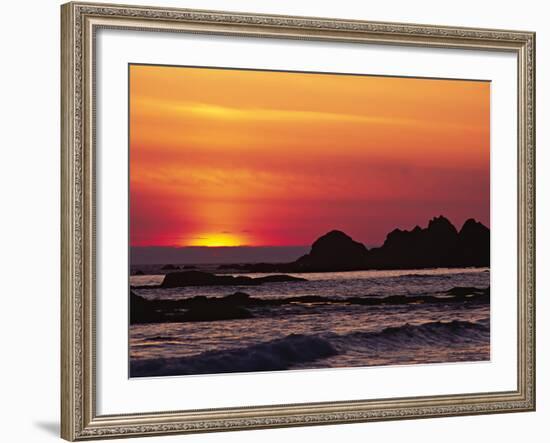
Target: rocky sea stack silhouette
<point x="439" y="245"/>
<point x="198" y="278"/>
<point x="334" y="251"/>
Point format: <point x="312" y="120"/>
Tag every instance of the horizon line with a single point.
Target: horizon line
<point x="370" y="246"/>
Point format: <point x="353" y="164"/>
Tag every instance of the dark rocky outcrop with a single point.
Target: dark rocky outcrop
<point x="275" y="279"/>
<point x="432" y="247"/>
<point x="467" y="291"/>
<point x="239" y="304"/>
<point x="169" y="267"/>
<point x="438" y="245"/>
<point x="199" y="278"/>
<point x="332" y="252"/>
<point x="143" y="311"/>
<point x="474" y="239"/>
<point x="139" y="272"/>
<point x="194" y="309"/>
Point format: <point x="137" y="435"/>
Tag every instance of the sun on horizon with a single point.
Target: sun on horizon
<point x="221" y="239"/>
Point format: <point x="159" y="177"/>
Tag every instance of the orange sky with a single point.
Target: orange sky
<point x="230" y="157"/>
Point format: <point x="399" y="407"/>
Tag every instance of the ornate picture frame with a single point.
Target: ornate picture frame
<point x="80" y="22"/>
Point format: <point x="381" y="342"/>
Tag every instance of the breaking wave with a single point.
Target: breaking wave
<point x="295" y="349"/>
<point x="269" y="356"/>
<point x="426" y="334"/>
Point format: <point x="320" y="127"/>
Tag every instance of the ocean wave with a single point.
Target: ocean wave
<point x="437" y="333"/>
<point x="296" y="349"/>
<point x="273" y="355"/>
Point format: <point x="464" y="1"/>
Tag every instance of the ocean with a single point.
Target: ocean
<point x="331" y="320"/>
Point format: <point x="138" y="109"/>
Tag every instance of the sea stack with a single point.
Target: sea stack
<point x="332" y="252"/>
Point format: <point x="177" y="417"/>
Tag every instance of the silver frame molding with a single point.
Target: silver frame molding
<point x="79" y="22"/>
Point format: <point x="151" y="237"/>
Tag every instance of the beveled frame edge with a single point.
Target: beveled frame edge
<point x="78" y="418"/>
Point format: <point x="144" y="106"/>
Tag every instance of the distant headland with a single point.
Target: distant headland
<point x="439" y="245"/>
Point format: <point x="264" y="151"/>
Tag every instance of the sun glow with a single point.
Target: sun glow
<point x="228" y="157"/>
<point x="216" y="240"/>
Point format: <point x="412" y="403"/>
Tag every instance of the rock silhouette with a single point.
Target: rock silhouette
<point x="334" y="251"/>
<point x="436" y="246"/>
<point x="239" y="305"/>
<point x="195" y="309"/>
<point x="433" y="247"/>
<point x="474" y="241"/>
<point x="199" y="278"/>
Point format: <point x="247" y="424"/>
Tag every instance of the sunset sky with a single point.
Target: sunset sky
<point x="224" y="157"/>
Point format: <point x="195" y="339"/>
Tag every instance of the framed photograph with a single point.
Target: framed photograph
<point x="282" y="221"/>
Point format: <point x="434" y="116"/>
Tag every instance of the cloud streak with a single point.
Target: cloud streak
<point x="228" y="157"/>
